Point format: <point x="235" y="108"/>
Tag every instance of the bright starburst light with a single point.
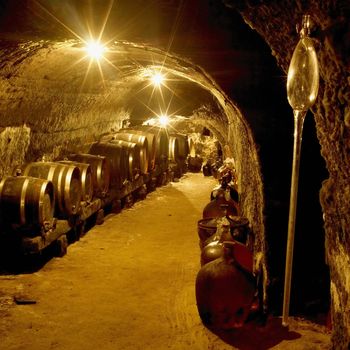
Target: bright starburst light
<point x="95" y="50"/>
<point x="157" y="79"/>
<point x="164" y="120"/>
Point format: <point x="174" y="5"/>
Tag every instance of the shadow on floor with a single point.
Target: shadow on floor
<point x="254" y="336"/>
<point x="12" y="262"/>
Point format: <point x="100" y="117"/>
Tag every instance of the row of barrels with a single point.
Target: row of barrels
<point x="45" y="190"/>
<point x="59" y="189"/>
<point x="143" y="150"/>
<point x="150" y="146"/>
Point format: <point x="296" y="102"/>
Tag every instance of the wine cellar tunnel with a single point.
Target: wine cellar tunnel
<point x="56" y="100"/>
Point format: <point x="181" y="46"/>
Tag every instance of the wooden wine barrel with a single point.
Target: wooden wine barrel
<point x="182" y="145"/>
<point x="100" y="168"/>
<point x="118" y="161"/>
<point x="162" y="143"/>
<point x="87" y="189"/>
<point x="151" y="142"/>
<point x="133" y="153"/>
<point x="141" y="141"/>
<point x="173" y="149"/>
<point x="26" y="200"/>
<point x="66" y="181"/>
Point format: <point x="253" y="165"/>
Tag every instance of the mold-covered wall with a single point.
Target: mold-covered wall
<point x="275" y="21"/>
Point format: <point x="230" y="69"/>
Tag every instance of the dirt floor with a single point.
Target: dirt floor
<point x="128" y="284"/>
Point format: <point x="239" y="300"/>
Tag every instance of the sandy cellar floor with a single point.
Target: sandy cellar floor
<point x="129" y="284"/>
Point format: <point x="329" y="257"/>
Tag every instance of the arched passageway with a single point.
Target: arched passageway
<point x="67" y="100"/>
<point x="55" y="101"/>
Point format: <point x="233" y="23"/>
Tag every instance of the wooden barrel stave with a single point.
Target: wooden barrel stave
<point x="173" y="154"/>
<point x="133" y="155"/>
<point x="85" y="177"/>
<point x="151" y="143"/>
<point x="100" y="168"/>
<point x="26" y="200"/>
<point x="183" y="145"/>
<point x="66" y="181"/>
<point x="117" y="159"/>
<point x="161" y="144"/>
<point x="142" y="142"/>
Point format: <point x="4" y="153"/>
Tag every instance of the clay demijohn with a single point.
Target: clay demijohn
<point x="225" y="289"/>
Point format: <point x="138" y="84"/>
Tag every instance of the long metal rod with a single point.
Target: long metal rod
<point x="299" y="117"/>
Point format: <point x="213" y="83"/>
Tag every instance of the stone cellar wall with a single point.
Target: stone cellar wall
<point x="275" y="21"/>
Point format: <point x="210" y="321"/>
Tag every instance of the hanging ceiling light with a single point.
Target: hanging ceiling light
<point x="95" y="49"/>
<point x="157" y="79"/>
<point x="163" y="120"/>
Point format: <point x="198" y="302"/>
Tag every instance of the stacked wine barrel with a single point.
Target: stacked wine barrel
<point x="48" y="200"/>
<point x="226" y="290"/>
<point x="179" y="153"/>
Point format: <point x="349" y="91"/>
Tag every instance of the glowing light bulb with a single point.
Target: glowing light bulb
<point x="95" y="50"/>
<point x="157" y="79"/>
<point x="164" y="120"/>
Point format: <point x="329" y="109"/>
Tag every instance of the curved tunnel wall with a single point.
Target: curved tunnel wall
<point x="55" y="100"/>
<point x="330" y="30"/>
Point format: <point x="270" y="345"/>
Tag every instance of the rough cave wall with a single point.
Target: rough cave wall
<point x="275" y="21"/>
<point x="46" y="108"/>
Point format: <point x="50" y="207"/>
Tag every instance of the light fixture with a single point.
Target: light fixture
<point x="163" y="120"/>
<point x="95" y="49"/>
<point x="157" y="79"/>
